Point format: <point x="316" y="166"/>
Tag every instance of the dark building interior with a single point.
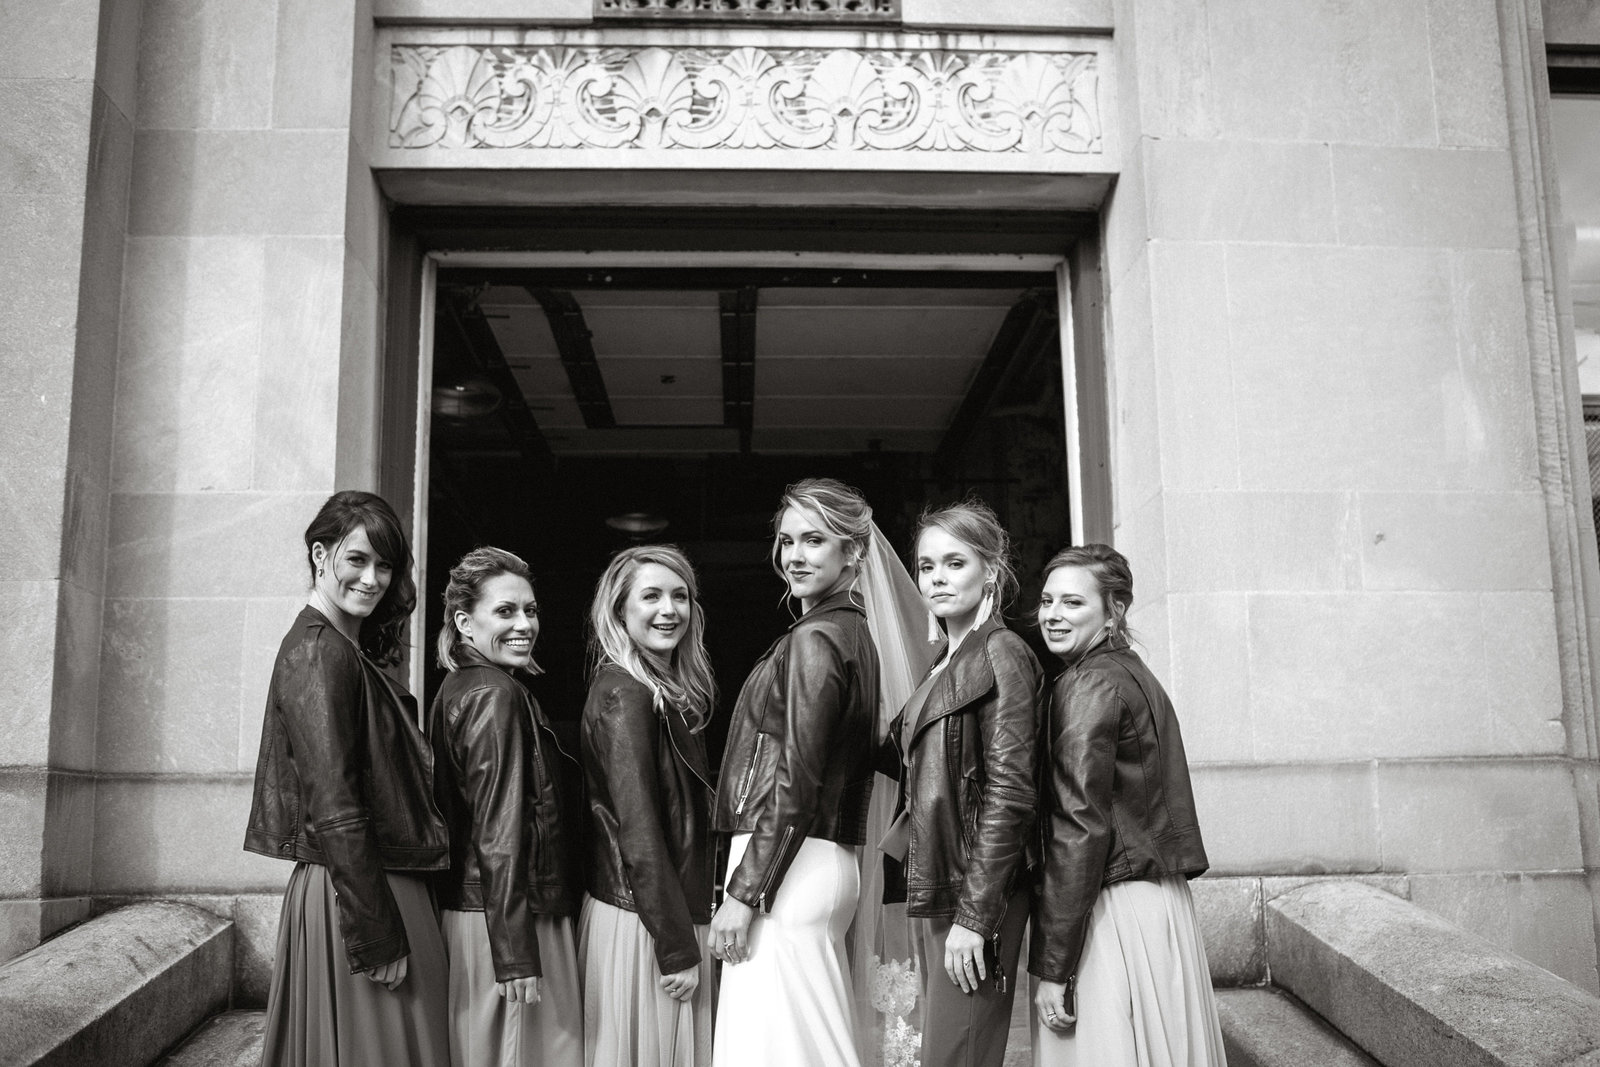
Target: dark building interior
<point x="578" y="411"/>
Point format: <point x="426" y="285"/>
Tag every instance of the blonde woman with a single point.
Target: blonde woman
<point x="648" y="987"/>
<point x="508" y="897"/>
<point x="796" y="781"/>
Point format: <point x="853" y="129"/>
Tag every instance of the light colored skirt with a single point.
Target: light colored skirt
<point x="1144" y="989"/>
<point x="321" y="1015"/>
<point x="486" y="1030"/>
<point x="628" y="1020"/>
<point x="789" y="1003"/>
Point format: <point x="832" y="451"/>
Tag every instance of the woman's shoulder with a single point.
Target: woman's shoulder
<point x="1004" y="645"/>
<point x="614" y="689"/>
<point x="312" y="641"/>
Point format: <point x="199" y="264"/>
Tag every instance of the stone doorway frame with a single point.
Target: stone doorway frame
<point x="421" y="238"/>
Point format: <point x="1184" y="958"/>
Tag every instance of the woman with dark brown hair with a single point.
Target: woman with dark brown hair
<point x="343" y="788"/>
<point x="1121" y="970"/>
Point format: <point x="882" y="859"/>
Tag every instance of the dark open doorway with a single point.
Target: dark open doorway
<point x="574" y="411"/>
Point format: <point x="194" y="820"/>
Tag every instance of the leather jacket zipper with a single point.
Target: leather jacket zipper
<point x="772" y="869"/>
<point x="749" y="776"/>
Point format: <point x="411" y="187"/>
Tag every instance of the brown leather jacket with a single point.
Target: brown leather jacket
<point x="969" y="783"/>
<point x="1115" y="801"/>
<point x="798" y="762"/>
<point x="499" y="786"/>
<point x="649" y="793"/>
<point x="344" y="779"/>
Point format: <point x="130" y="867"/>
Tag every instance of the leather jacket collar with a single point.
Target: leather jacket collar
<point x="839" y="600"/>
<point x="968" y="676"/>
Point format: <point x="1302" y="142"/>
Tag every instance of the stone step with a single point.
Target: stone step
<point x="120" y="988"/>
<point x="1416" y="991"/>
<point x="232" y="1039"/>
<point x="1268" y="1028"/>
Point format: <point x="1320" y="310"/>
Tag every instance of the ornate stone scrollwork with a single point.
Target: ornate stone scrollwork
<point x="752" y="10"/>
<point x="843" y="100"/>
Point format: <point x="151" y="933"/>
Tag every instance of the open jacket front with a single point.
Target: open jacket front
<point x="798" y="762"/>
<point x="1115" y="798"/>
<point x="968" y="784"/>
<point x="649" y="794"/>
<point x="499" y="787"/>
<point x="345" y="779"/>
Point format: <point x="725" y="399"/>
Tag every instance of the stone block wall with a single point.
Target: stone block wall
<point x="1327" y="444"/>
<point x="66" y="146"/>
<point x="251" y="269"/>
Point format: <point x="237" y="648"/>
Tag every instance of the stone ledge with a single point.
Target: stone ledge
<point x="1267" y="1028"/>
<point x="117" y="989"/>
<point x="1410" y="988"/>
<point x="232" y="1039"/>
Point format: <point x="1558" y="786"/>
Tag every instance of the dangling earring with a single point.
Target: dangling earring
<point x="986" y="607"/>
<point x="934" y="632"/>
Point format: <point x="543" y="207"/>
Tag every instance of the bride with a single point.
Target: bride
<point x="795" y="791"/>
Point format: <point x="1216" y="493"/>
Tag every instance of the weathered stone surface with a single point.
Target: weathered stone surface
<point x="1288" y="819"/>
<point x="1413" y="989"/>
<point x="1229" y="913"/>
<point x="118" y="989"/>
<point x="1455" y="198"/>
<point x="1209" y="674"/>
<point x="1268" y="1028"/>
<point x="138" y="818"/>
<point x="232" y="1039"/>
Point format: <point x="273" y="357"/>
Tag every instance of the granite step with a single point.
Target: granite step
<point x="231" y="1039"/>
<point x="1269" y="1028"/>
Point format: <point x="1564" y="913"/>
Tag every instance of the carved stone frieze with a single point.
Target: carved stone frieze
<point x="752" y="10"/>
<point x="752" y="98"/>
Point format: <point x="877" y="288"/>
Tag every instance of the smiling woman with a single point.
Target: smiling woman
<point x="342" y="788"/>
<point x="507" y="899"/>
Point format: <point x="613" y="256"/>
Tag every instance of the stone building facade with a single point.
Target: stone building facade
<point x="1319" y="370"/>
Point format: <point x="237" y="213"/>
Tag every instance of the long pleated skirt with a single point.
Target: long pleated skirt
<point x="789" y="1004"/>
<point x="486" y="1030"/>
<point x="1144" y="988"/>
<point x="628" y="1020"/>
<point x="321" y="1015"/>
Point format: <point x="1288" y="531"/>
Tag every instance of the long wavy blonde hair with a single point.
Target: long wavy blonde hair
<point x="687" y="684"/>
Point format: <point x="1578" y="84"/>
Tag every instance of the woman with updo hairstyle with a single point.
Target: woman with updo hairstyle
<point x="963" y="749"/>
<point x="509" y="894"/>
<point x="648" y="986"/>
<point x="1120" y="968"/>
<point x="796" y="780"/>
<point x="344" y="789"/>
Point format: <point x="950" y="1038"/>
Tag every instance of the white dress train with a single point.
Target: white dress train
<point x="789" y="1003"/>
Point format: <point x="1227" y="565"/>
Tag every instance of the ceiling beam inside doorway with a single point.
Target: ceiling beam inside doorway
<point x="738" y="318"/>
<point x="476" y="336"/>
<point x="575" y="344"/>
<point x="1028" y="326"/>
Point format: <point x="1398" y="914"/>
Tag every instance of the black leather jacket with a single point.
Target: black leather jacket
<point x="1115" y="800"/>
<point x="498" y="785"/>
<point x="799" y="757"/>
<point x="344" y="779"/>
<point x="649" y="795"/>
<point x="969" y="783"/>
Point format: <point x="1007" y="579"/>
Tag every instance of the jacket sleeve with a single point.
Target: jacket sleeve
<point x="488" y="731"/>
<point x="323" y="707"/>
<point x="1085" y="718"/>
<point x="624" y="742"/>
<point x="814" y="699"/>
<point x="1007" y="732"/>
